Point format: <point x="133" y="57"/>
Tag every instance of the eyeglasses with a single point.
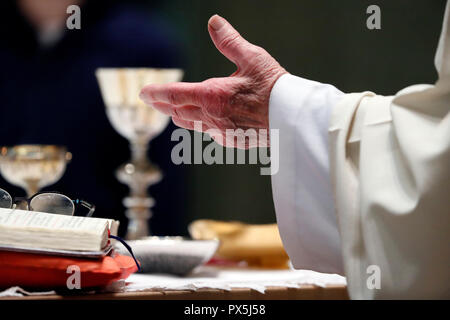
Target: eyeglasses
<point x="49" y="202"/>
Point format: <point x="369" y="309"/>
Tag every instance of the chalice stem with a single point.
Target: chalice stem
<point x="32" y="188"/>
<point x="138" y="175"/>
<point x="139" y="153"/>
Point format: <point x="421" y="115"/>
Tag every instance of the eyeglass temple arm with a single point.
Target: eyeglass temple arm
<point x="87" y="205"/>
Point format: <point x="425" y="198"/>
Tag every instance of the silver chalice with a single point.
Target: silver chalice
<point x="33" y="167"/>
<point x="138" y="123"/>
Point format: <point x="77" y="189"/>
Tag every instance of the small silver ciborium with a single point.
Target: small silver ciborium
<point x="138" y="123"/>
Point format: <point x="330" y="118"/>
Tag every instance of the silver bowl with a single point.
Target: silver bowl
<point x="172" y="255"/>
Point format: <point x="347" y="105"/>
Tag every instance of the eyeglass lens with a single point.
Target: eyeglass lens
<point x="52" y="203"/>
<point x="5" y="199"/>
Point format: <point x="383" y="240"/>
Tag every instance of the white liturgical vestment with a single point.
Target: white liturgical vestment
<point x="363" y="187"/>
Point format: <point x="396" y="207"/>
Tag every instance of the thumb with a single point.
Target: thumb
<point x="228" y="41"/>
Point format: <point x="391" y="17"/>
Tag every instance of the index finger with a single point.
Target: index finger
<point x="177" y="93"/>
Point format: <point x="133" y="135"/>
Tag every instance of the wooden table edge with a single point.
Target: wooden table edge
<point x="304" y="292"/>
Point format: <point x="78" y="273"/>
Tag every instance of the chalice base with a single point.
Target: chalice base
<point x="138" y="214"/>
<point x="138" y="178"/>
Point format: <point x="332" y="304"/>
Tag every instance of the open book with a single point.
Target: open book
<point x="46" y="232"/>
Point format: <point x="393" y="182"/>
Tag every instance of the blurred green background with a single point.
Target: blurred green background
<point x="323" y="40"/>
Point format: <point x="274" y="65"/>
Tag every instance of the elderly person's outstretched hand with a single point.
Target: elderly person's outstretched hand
<point x="240" y="101"/>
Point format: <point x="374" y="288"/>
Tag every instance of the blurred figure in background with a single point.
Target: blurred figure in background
<point x="43" y="63"/>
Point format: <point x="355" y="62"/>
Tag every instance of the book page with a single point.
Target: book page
<point x="12" y="218"/>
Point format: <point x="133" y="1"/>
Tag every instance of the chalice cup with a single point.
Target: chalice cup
<point x="33" y="167"/>
<point x="139" y="124"/>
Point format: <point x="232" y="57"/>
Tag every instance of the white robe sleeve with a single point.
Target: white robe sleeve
<point x="389" y="172"/>
<point x="302" y="191"/>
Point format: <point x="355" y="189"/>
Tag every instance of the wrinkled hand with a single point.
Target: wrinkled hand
<point x="240" y="101"/>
